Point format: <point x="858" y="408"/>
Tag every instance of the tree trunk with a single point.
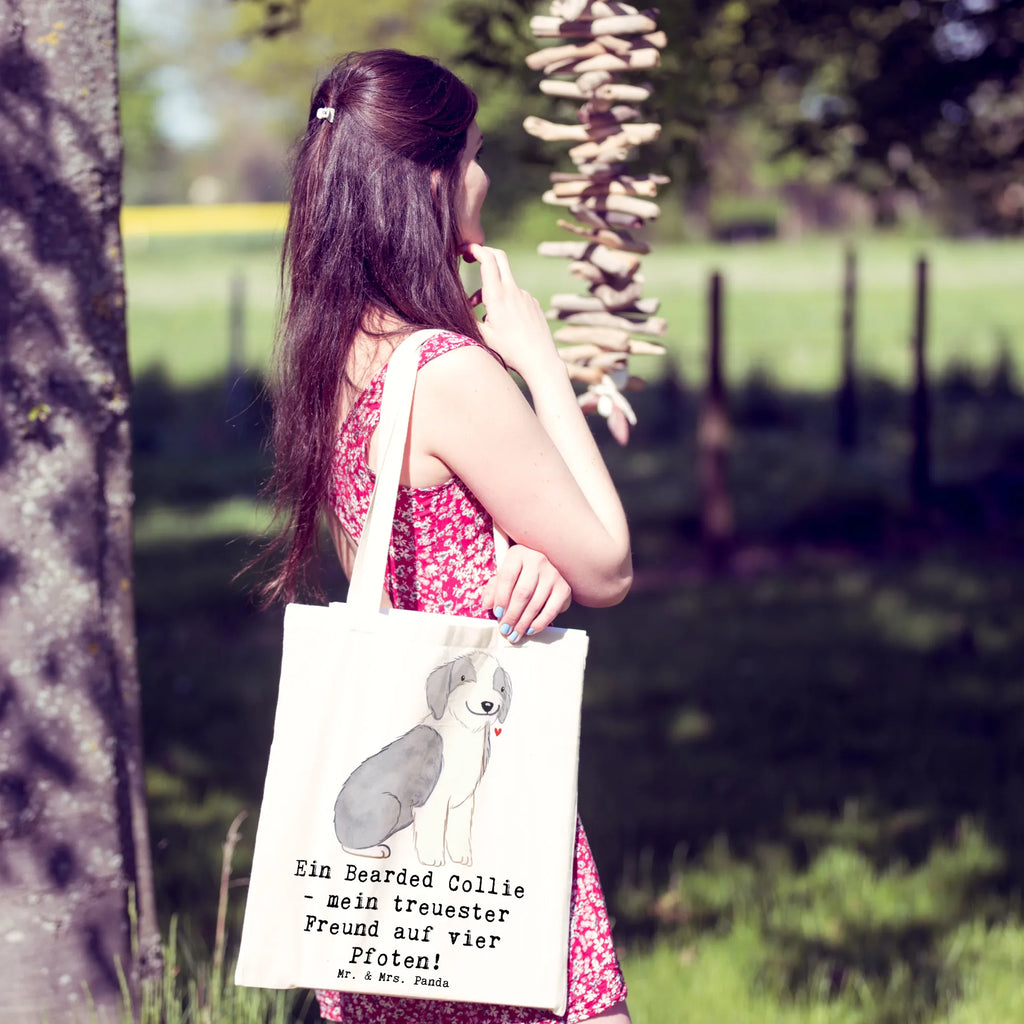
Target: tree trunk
<point x="73" y="835"/>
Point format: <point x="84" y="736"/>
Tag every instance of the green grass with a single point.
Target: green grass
<point x="179" y="299"/>
<point x="802" y="780"/>
<point x="717" y="980"/>
<point x="782" y="304"/>
<point x="232" y="517"/>
<point x="188" y="990"/>
<point x="726" y="978"/>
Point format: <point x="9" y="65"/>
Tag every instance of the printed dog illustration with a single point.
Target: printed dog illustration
<point x="428" y="777"/>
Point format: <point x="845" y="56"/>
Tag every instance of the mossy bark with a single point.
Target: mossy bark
<point x="73" y="836"/>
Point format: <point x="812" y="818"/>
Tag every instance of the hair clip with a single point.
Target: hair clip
<point x="325" y="114"/>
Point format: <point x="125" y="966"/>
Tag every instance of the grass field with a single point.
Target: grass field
<point x="803" y="780"/>
<point x="782" y="312"/>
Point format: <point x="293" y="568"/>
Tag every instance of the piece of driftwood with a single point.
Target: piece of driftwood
<point x="606" y="398"/>
<point x="594" y="131"/>
<point x="562" y="89"/>
<point x="552" y="198"/>
<point x="655" y="325"/>
<point x="576" y="351"/>
<point x="609" y="360"/>
<point x="639" y="347"/>
<point x="607" y="236"/>
<point x="585" y="373"/>
<point x="595" y="212"/>
<point x="602" y="168"/>
<point x="624" y="185"/>
<point x="603" y="111"/>
<point x="620" y="44"/>
<point x="618" y="298"/>
<point x="551" y="56"/>
<point x="616" y="262"/>
<point x="621" y="92"/>
<point x="606" y="90"/>
<point x="615" y="147"/>
<point x="603" y="196"/>
<point x="593" y="222"/>
<point x="622" y="220"/>
<point x="620" y="345"/>
<point x="579" y="353"/>
<point x="588" y="272"/>
<point x="621" y="176"/>
<point x="549" y="27"/>
<point x="604" y="338"/>
<point x="606" y="220"/>
<point x="593" y="56"/>
<point x="566" y="187"/>
<point x="608" y="203"/>
<point x="594" y="80"/>
<point x="633" y="206"/>
<point x="551" y="131"/>
<point x="592" y="304"/>
<point x="633" y="60"/>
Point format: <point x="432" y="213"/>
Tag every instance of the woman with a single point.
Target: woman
<point x="387" y="195"/>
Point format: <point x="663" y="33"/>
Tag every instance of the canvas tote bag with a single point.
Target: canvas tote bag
<point x="416" y="836"/>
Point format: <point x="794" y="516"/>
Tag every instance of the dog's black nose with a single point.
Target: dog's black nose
<point x="487" y="706"/>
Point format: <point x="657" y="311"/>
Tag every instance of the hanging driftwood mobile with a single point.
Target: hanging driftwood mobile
<point x="597" y="329"/>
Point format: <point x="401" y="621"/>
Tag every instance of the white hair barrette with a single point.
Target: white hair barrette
<point x="325" y="114"/>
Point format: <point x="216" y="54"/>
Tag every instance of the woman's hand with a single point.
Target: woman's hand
<point x="515" y="325"/>
<point x="526" y="593"/>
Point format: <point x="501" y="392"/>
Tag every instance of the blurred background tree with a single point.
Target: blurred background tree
<point x="925" y="98"/>
<point x="247" y="72"/>
<point x="781" y="113"/>
<point x="149" y="171"/>
<point x="919" y="96"/>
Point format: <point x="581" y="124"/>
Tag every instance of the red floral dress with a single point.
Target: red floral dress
<point x="442" y="556"/>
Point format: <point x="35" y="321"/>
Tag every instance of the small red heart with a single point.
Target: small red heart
<point x="497" y="731"/>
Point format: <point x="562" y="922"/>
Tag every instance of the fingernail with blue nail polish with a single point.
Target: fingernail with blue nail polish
<point x="531" y="631"/>
<point x="505" y="627"/>
<point x="514" y="637"/>
<point x="498" y="612"/>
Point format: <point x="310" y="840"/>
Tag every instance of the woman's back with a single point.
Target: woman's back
<point x="442" y="545"/>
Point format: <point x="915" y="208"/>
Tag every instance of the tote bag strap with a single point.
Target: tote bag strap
<point x="370" y="566"/>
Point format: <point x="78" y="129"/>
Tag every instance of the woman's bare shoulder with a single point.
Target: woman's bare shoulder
<point x="463" y="377"/>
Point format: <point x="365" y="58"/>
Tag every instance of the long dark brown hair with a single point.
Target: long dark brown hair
<point x="372" y="236"/>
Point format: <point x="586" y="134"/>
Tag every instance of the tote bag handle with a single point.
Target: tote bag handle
<point x="370" y="566"/>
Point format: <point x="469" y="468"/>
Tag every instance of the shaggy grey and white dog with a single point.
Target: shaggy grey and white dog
<point x="428" y="777"/>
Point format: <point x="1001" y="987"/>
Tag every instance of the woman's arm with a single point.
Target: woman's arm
<point x="539" y="474"/>
<point x="527" y="588"/>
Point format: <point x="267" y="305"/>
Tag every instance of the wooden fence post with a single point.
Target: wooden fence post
<point x="239" y="389"/>
<point x="236" y="327"/>
<point x="713" y="439"/>
<point x="920" y="464"/>
<point x="846" y="399"/>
